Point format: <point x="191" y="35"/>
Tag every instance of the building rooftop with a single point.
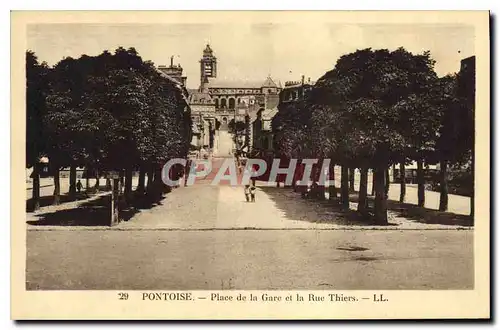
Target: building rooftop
<point x="208" y="51"/>
<point x="177" y="84"/>
<point x="197" y="97"/>
<point x="221" y="83"/>
<point x="269" y="82"/>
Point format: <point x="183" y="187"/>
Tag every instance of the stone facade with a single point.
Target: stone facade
<point x="216" y="103"/>
<point x="295" y="90"/>
<point x="262" y="130"/>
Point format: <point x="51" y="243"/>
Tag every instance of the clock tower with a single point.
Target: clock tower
<point x="208" y="66"/>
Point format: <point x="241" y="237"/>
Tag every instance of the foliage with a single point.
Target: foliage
<point x="112" y="111"/>
<point x="36" y="90"/>
<point x="376" y="108"/>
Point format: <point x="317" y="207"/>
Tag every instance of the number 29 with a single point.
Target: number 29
<point x="122" y="296"/>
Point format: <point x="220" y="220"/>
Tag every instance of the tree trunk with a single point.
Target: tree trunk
<point x="352" y="172"/>
<point x="387" y="182"/>
<point x="35" y="194"/>
<point x="159" y="186"/>
<point x="402" y="177"/>
<point x="332" y="190"/>
<point x="150" y="185"/>
<point x="72" y="182"/>
<point x="363" y="191"/>
<point x="421" y="183"/>
<point x="87" y="179"/>
<point x="443" y="198"/>
<point x="321" y="185"/>
<point x="373" y="182"/>
<point x="142" y="180"/>
<point x="97" y="183"/>
<point x="57" y="186"/>
<point x="380" y="198"/>
<point x="344" y="187"/>
<point x="128" y="184"/>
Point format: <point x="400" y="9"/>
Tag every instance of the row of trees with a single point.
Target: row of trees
<point x="377" y="108"/>
<point x="111" y="112"/>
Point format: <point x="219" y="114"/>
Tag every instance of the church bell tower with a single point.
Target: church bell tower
<point x="208" y="66"/>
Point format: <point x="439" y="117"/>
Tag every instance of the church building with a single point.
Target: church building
<point x="217" y="103"/>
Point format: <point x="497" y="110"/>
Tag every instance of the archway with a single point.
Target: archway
<point x="223" y="103"/>
<point x="231" y="103"/>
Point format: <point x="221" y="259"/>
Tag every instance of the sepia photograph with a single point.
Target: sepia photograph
<point x="165" y="157"/>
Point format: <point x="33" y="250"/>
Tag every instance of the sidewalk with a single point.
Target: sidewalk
<point x="223" y="207"/>
<point x="456" y="204"/>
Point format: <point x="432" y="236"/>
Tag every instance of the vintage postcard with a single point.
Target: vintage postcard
<point x="250" y="165"/>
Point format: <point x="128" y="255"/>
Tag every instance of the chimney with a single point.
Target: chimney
<point x="302" y="79"/>
<point x="171" y="61"/>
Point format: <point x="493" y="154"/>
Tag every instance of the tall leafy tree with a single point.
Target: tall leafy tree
<point x="36" y="91"/>
<point x="366" y="86"/>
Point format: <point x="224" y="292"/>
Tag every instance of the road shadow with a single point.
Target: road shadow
<point x="314" y="211"/>
<point x="64" y="198"/>
<point x="96" y="212"/>
<point x="414" y="213"/>
<point x="429" y="216"/>
<point x="323" y="211"/>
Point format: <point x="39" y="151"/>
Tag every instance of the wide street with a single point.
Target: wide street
<point x="250" y="259"/>
<point x="208" y="237"/>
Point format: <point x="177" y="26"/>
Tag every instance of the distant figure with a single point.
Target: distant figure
<point x="79" y="186"/>
<point x="247" y="192"/>
<point x="188" y="171"/>
<point x="250" y="193"/>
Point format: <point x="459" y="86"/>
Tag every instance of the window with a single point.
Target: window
<point x="223" y="103"/>
<point x="269" y="91"/>
<point x="231" y="103"/>
<point x="216" y="103"/>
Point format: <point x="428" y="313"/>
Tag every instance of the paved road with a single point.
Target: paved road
<point x="204" y="206"/>
<point x="249" y="259"/>
<point x="199" y="238"/>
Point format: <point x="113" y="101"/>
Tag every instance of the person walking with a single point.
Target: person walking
<point x="79" y="186"/>
<point x="247" y="192"/>
<point x="252" y="193"/>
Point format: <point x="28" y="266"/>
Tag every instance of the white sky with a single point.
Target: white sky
<point x="252" y="51"/>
